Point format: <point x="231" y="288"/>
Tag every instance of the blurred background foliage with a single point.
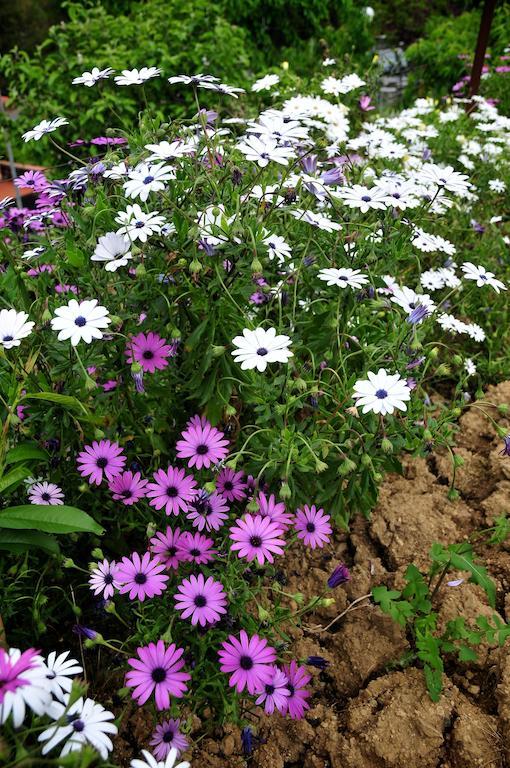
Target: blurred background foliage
<point x="45" y="43"/>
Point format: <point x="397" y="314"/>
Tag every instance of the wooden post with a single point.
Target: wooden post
<point x="481" y="49"/>
<point x="10" y="158"/>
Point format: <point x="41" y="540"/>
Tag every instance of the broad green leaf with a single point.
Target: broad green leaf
<point x="467" y="654"/>
<point x="49" y="518"/>
<point x="24" y="452"/>
<point x="14" y="477"/>
<point x="66" y="401"/>
<point x="23" y="541"/>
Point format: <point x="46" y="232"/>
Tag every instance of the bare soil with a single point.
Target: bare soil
<point x="369" y="708"/>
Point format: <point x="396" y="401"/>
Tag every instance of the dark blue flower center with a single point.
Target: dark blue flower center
<point x="8" y="338"/>
<point x="139" y="224"/>
<point x="80" y="321"/>
<point x="79" y="725"/>
<point x="381" y="394"/>
<point x="255" y="541"/>
<point x="202" y="449"/>
<point x="168" y="736"/>
<point x="200" y="601"/>
<point x="262" y="351"/>
<point x="158" y="674"/>
<point x="269" y="689"/>
<point x="246" y="663"/>
<point x="148" y="179"/>
<point x="148" y="354"/>
<point x="45" y="496"/>
<point x="140" y="578"/>
<point x="366" y="198"/>
<point x="108" y="579"/>
<point x="172" y="491"/>
<point x="102" y="462"/>
<point x="310" y="527"/>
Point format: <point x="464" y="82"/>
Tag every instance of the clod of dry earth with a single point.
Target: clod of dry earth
<point x="363" y="714"/>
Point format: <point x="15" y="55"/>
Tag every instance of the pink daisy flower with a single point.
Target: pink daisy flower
<point x="296" y="703"/>
<point x="101" y="457"/>
<point x="274" y="693"/>
<point x="275" y="511"/>
<point x="149" y="350"/>
<point x="249" y="659"/>
<point x="207" y="510"/>
<point x="202" y="444"/>
<point x="196" y="548"/>
<point x="231" y="484"/>
<point x="141" y="576"/>
<point x="103" y="579"/>
<point x="45" y="493"/>
<point x="128" y="487"/>
<point x="157" y="670"/>
<point x="167" y="736"/>
<point x="312" y="526"/>
<point x="172" y="490"/>
<point x="203" y="601"/>
<point x="257" y="537"/>
<point x="168" y="547"/>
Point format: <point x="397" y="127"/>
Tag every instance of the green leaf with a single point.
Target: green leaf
<point x="416" y="590"/>
<point x="14" y="477"/>
<point x="24" y="452"/>
<point x="66" y="401"/>
<point x="49" y="518"/>
<point x="23" y="541"/>
<point x="460" y="558"/>
<point x="399" y="610"/>
<point x="467" y="654"/>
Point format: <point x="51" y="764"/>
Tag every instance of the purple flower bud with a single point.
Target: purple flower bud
<point x="86" y="632"/>
<point x="506" y="449"/>
<point x="309" y="163"/>
<point x="247" y="741"/>
<point x="206" y="246"/>
<point x="333" y="176"/>
<point x="411" y="383"/>
<point x="427" y="154"/>
<point x="317" y="661"/>
<point x="138" y="379"/>
<point x="339" y="576"/>
<point x="236" y="177"/>
<point x="415" y="363"/>
<point x="308" y="261"/>
<point x="418" y="314"/>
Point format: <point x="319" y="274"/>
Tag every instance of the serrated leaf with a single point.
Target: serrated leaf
<point x="49" y="518"/>
<point x="467" y="654"/>
<point x="23" y="541"/>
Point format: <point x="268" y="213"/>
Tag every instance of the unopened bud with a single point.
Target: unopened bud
<point x="386" y="445"/>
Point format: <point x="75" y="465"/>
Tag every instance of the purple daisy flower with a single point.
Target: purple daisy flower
<point x="231" y="484"/>
<point x="150" y="351"/>
<point x="196" y="548"/>
<point x="157" y="670"/>
<point x="172" y="490"/>
<point x="275" y="511"/>
<point x="34" y="179"/>
<point x="167" y="736"/>
<point x="250" y="661"/>
<point x="202" y="444"/>
<point x="207" y="510"/>
<point x="312" y="526"/>
<point x="168" y="547"/>
<point x="257" y="537"/>
<point x="129" y="487"/>
<point x="296" y="703"/>
<point x="103" y="579"/>
<point x="203" y="601"/>
<point x="141" y="576"/>
<point x="45" y="493"/>
<point x="274" y="693"/>
<point x="101" y="457"/>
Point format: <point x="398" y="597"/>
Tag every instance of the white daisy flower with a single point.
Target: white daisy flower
<point x="60" y="671"/>
<point x="265" y="83"/>
<point x="135" y="76"/>
<point x="328" y="62"/>
<point x="469" y="367"/>
<point x="13" y="327"/>
<point x="113" y="251"/>
<point x="91" y="78"/>
<point x="344" y="277"/>
<point x="81" y="723"/>
<point x="167" y="150"/>
<point x="24" y="685"/>
<point x="80" y="321"/>
<point x="318" y="220"/>
<point x="5" y="202"/>
<point x="382" y="393"/>
<point x="408" y="299"/>
<point x="255" y="349"/>
<point x="138" y="225"/>
<point x="481" y="276"/>
<point x="277" y="247"/>
<point x="117" y="171"/>
<point x="445" y="177"/>
<point x="263" y="151"/>
<point x="150" y="761"/>
<point x="34" y="252"/>
<point x="475" y="332"/>
<point x="496" y="185"/>
<point x="146" y="178"/>
<point x="44" y="127"/>
<point x="362" y="197"/>
<point x="202" y="81"/>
